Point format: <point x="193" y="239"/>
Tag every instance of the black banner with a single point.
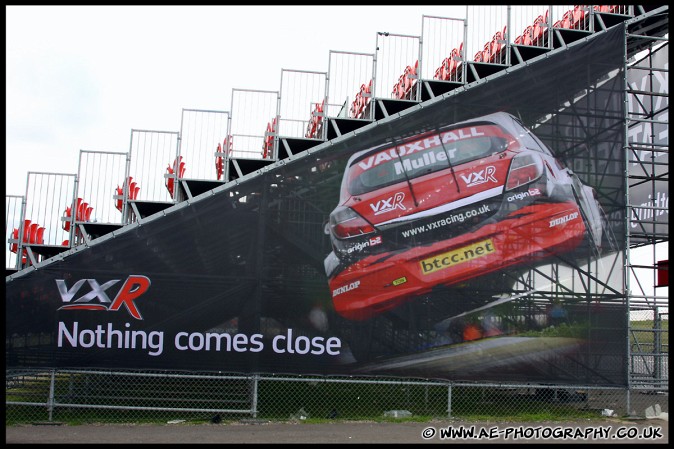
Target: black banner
<point x="475" y="238"/>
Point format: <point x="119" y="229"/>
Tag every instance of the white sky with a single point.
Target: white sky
<point x="81" y="77"/>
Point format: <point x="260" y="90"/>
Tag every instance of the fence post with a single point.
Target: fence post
<point x="50" y="400"/>
<point x="657" y="347"/>
<point x="449" y="400"/>
<point x="254" y="396"/>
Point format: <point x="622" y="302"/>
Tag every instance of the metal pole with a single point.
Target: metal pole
<point x="255" y="397"/>
<point x="50" y="400"/>
<point x="628" y="212"/>
<point x="449" y="400"/>
<point x="657" y="347"/>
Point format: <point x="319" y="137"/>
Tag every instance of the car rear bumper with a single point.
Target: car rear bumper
<point x="378" y="283"/>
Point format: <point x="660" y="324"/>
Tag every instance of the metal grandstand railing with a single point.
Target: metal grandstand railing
<point x="14" y="214"/>
<point x="202" y="132"/>
<point x="301" y="98"/>
<point x="253" y="120"/>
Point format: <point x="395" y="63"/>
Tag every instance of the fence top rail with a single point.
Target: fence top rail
<point x="204" y="110"/>
<point x="50" y="173"/>
<point x="351" y="53"/>
<point x="104" y="152"/>
<point x="303" y="71"/>
<point x="153" y="131"/>
<point x="440" y="17"/>
<point x="387" y="34"/>
<point x="256" y="90"/>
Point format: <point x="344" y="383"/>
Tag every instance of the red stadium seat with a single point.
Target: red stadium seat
<point x="452" y="63"/>
<point x="226" y="149"/>
<point x="32" y="234"/>
<point x="132" y="193"/>
<point x="133" y="189"/>
<point x="320" y="109"/>
<point x="398" y="91"/>
<point x="401" y="90"/>
<point x="565" y="21"/>
<point x="367" y="94"/>
<point x="268" y="143"/>
<point x="81" y="210"/>
<point x="356" y="104"/>
<point x="485" y="56"/>
<point x="118" y="197"/>
<point x="67" y="213"/>
<point x="219" y="163"/>
<point x="228" y="145"/>
<point x="448" y="66"/>
<point x="494" y="47"/>
<point x="40" y="235"/>
<point x="528" y="36"/>
<point x="26" y="231"/>
<point x="438" y="75"/>
<point x="14" y="247"/>
<point x="315" y="120"/>
<point x="456" y="66"/>
<point x="32" y="237"/>
<point x="170" y="181"/>
<point x="410" y="80"/>
<point x="219" y="167"/>
<point x="578" y="21"/>
<point x="361" y="101"/>
<point x="177" y="169"/>
<point x="538" y="30"/>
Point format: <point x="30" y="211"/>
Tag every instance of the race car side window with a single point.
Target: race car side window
<point x="382" y="175"/>
<point x="475" y="148"/>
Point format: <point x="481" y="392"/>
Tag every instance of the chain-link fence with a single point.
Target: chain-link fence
<point x="649" y="349"/>
<point x="86" y="396"/>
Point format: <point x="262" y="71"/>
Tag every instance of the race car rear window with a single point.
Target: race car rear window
<point x="427" y="155"/>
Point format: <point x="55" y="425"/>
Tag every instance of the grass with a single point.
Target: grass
<point x="643" y="335"/>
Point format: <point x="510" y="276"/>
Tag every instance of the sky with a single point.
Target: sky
<point x="81" y="77"/>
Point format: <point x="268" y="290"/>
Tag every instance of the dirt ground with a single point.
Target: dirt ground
<point x="609" y="431"/>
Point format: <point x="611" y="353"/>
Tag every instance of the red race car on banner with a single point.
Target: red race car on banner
<point x="449" y="207"/>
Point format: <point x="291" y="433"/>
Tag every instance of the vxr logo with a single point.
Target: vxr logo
<point x="480" y="177"/>
<point x="389" y="204"/>
<point x="134" y="286"/>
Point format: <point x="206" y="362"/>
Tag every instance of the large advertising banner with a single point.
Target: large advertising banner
<point x="468" y="240"/>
